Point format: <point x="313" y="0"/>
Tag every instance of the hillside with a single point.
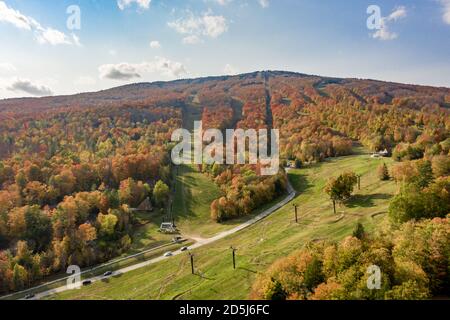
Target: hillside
<point x="365" y="90"/>
<point x="272" y="98"/>
<point x="75" y="169"/>
<point x="258" y="246"/>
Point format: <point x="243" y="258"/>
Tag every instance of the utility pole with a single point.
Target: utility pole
<point x="359" y="182"/>
<point x="192" y="263"/>
<point x="171" y="213"/>
<point x="334" y="206"/>
<point x="234" y="257"/>
<point x="296" y="213"/>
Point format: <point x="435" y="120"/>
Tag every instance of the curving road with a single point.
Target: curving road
<point x="200" y="243"/>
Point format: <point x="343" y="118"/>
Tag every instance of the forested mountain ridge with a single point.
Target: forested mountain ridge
<point x="368" y="89"/>
<point x="396" y="112"/>
<point x="71" y="167"/>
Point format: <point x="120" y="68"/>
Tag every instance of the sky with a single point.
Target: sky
<point x="72" y="46"/>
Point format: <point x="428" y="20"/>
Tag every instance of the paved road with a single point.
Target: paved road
<point x="102" y="266"/>
<point x="200" y="243"/>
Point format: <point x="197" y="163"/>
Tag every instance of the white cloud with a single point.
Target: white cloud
<point x="128" y="71"/>
<point x="220" y="2"/>
<point x="384" y="33"/>
<point x="194" y="27"/>
<point x="14" y="17"/>
<point x="264" y="3"/>
<point x="7" y="67"/>
<point x="42" y="34"/>
<point x="214" y="26"/>
<point x="155" y="45"/>
<point x="446" y="11"/>
<point x="230" y="70"/>
<point x="52" y="36"/>
<point x="143" y="4"/>
<point x="27" y="86"/>
<point x="192" y="40"/>
<point x="398" y="13"/>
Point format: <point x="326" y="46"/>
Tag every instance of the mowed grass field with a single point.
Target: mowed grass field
<point x="261" y="244"/>
<point x="194" y="194"/>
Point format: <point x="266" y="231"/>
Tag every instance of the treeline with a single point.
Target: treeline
<point x="320" y="117"/>
<point x="68" y="182"/>
<point x="244" y="190"/>
<point x="413" y="262"/>
<point x="385" y="126"/>
<point x="84" y="229"/>
<point x="424" y="189"/>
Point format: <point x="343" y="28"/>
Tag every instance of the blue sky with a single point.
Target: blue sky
<point x="125" y="41"/>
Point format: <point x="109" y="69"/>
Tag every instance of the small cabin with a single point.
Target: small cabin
<point x="167" y="227"/>
<point x="381" y="154"/>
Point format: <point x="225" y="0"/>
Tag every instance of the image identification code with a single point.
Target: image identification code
<point x="227" y="310"/>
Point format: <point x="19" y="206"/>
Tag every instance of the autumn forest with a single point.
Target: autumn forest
<point x="73" y="169"/>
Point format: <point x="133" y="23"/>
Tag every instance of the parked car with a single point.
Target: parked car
<point x="184" y="249"/>
<point x="177" y="239"/>
<point x="108" y="273"/>
<point x="29" y="296"/>
<point x="168" y="254"/>
<point x="87" y="282"/>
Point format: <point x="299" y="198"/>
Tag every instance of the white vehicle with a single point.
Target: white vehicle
<point x="168" y="254"/>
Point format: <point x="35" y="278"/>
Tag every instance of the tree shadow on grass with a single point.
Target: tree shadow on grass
<point x="366" y="201"/>
<point x="248" y="270"/>
<point x="182" y="206"/>
<point x="299" y="182"/>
